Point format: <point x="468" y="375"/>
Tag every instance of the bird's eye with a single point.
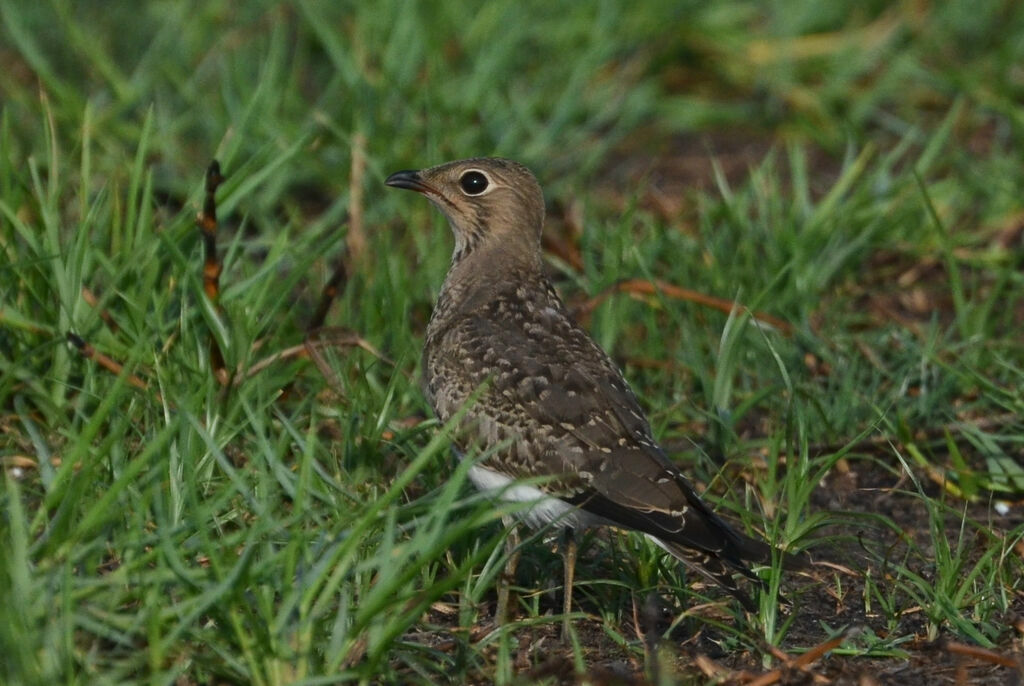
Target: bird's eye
<point x="473" y="182"/>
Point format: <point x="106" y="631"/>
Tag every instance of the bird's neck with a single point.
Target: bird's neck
<point x="476" y="277"/>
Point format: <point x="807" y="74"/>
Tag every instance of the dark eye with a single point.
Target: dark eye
<point x="473" y="183"/>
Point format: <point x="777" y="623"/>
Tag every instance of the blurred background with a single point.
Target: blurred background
<point x="559" y="86"/>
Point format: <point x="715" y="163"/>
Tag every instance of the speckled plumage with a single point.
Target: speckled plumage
<point x="540" y="389"/>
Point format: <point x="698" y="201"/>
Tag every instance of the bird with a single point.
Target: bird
<point x="559" y="427"/>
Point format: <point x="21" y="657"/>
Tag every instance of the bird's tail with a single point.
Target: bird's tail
<point x="720" y="568"/>
<point x="714" y="569"/>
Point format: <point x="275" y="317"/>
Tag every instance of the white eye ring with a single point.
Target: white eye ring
<point x="475" y="182"/>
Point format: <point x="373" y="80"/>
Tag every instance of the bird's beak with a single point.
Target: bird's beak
<point x="410" y="180"/>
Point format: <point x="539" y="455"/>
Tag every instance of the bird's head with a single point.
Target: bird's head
<point x="493" y="205"/>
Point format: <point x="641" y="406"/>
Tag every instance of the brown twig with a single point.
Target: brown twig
<point x="328" y="338"/>
<point x="801" y="662"/>
<point x="311" y="346"/>
<point x="92" y="301"/>
<point x="710" y="668"/>
<point x="206" y="220"/>
<point x="356" y="238"/>
<point x="328" y="296"/>
<point x="646" y="287"/>
<point x="108" y="363"/>
<point x="982" y="654"/>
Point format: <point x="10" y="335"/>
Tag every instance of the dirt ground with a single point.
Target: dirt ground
<point x="693" y="655"/>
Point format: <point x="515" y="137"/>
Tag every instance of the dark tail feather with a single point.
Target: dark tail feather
<point x="715" y="570"/>
<point x="720" y="568"/>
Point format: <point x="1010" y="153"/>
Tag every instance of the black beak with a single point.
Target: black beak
<point x="410" y="180"/>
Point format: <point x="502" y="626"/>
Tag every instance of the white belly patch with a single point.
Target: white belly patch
<point x="544" y="510"/>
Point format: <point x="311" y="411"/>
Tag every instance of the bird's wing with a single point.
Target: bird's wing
<point x="565" y="410"/>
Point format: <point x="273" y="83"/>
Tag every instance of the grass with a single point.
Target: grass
<point x="297" y="527"/>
